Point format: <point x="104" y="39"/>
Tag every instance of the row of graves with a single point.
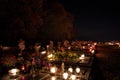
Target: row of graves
<point x="66" y="61"/>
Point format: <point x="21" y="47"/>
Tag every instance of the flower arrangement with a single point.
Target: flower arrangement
<point x="66" y="55"/>
<point x="8" y="60"/>
<point x="69" y="55"/>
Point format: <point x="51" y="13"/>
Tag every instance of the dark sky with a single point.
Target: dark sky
<point x="95" y="20"/>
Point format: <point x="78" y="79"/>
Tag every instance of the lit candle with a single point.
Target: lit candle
<point x="93" y="51"/>
<point x="47" y="47"/>
<point x="13" y="72"/>
<point x="83" y="47"/>
<point x="65" y="75"/>
<point x="77" y="70"/>
<point x="73" y="77"/>
<point x="70" y="69"/>
<point x="50" y="55"/>
<point x="95" y="43"/>
<point x="23" y="68"/>
<point x="82" y="56"/>
<point x="53" y="69"/>
<point x="43" y="52"/>
<point x="69" y="48"/>
<point x="53" y="78"/>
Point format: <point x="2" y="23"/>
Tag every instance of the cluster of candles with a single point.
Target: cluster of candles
<point x="52" y="57"/>
<point x="82" y="57"/>
<point x="66" y="75"/>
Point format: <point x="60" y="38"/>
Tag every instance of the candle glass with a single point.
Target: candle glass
<point x="65" y="75"/>
<point x="77" y="70"/>
<point x="73" y="77"/>
<point x="13" y="73"/>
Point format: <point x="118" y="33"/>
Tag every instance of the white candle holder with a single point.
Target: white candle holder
<point x="73" y="77"/>
<point x="70" y="69"/>
<point x="53" y="78"/>
<point x="82" y="57"/>
<point x="13" y="73"/>
<point x="53" y="69"/>
<point x="65" y="75"/>
<point x="77" y="70"/>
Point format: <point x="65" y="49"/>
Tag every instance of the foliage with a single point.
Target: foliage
<point x="36" y="19"/>
<point x="22" y="18"/>
<point x="58" y="23"/>
<point x="65" y="54"/>
<point x="8" y="60"/>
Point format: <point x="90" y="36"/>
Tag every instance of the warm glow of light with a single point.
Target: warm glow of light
<point x="53" y="78"/>
<point x="95" y="43"/>
<point x="90" y="50"/>
<point x="83" y="47"/>
<point x="69" y="48"/>
<point x="53" y="69"/>
<point x="70" y="69"/>
<point x="50" y="55"/>
<point x="88" y="44"/>
<point x="43" y="52"/>
<point x="23" y="68"/>
<point x="77" y="70"/>
<point x="47" y="47"/>
<point x="73" y="77"/>
<point x="14" y="72"/>
<point x="110" y="43"/>
<point x="93" y="51"/>
<point x="82" y="56"/>
<point x="5" y="48"/>
<point x="65" y="75"/>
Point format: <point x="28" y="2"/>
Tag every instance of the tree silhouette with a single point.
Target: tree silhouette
<point x="58" y="23"/>
<point x="35" y="19"/>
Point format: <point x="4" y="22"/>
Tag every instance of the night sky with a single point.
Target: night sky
<point x="95" y="20"/>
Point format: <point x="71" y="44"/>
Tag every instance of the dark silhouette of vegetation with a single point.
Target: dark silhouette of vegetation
<point x="35" y="20"/>
<point x="58" y="24"/>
